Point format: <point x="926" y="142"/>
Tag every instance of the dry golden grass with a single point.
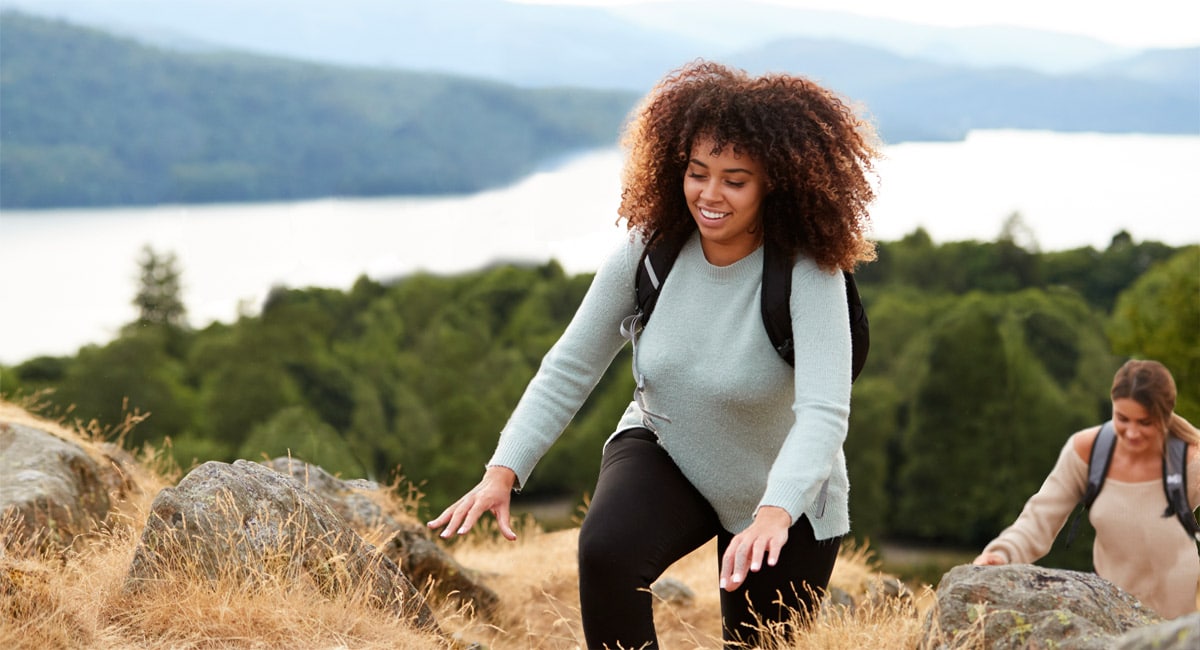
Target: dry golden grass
<point x="76" y="598"/>
<point x="536" y="580"/>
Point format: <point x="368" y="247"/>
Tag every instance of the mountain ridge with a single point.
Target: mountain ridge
<point x="201" y="125"/>
<point x="626" y="46"/>
<point x="92" y="119"/>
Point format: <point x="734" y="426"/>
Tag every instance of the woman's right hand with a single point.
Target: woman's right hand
<point x="990" y="558"/>
<point x="492" y="494"/>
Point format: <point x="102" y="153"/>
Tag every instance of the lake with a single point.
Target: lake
<point x="69" y="276"/>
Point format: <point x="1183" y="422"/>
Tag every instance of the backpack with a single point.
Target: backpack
<point x="659" y="256"/>
<point x="1174" y="479"/>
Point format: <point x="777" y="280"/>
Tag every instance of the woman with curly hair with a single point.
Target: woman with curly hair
<point x="723" y="438"/>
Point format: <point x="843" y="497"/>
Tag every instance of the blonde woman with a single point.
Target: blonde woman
<point x="1137" y="548"/>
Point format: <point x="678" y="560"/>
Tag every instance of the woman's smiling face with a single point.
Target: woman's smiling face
<point x="1136" y="429"/>
<point x="724" y="193"/>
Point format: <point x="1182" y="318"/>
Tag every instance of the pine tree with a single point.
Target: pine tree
<point x="158" y="299"/>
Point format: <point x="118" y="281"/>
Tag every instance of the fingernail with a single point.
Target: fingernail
<point x="736" y="578"/>
<point x="463" y="530"/>
<point x="722" y="583"/>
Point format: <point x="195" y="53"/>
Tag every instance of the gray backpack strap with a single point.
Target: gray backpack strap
<point x="1175" y="485"/>
<point x="1102" y="452"/>
<point x="1098" y="460"/>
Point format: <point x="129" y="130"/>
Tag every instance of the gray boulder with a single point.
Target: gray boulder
<point x="410" y="545"/>
<point x="1022" y="605"/>
<point x="51" y="490"/>
<point x="672" y="591"/>
<point x="247" y="523"/>
<point x="1182" y="633"/>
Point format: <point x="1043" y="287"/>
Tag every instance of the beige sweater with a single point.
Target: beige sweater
<point x="1136" y="548"/>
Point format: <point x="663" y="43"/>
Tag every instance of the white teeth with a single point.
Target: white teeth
<point x="707" y="214"/>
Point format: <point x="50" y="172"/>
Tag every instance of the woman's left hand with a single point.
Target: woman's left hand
<point x="766" y="536"/>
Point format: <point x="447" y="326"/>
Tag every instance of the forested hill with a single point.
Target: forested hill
<point x="90" y="119"/>
<point x="984" y="358"/>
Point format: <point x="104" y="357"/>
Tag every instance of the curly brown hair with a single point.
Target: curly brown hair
<point x="816" y="150"/>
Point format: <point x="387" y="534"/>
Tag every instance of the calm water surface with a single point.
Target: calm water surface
<point x="70" y="275"/>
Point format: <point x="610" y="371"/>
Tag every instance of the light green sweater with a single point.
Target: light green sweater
<point x="745" y="428"/>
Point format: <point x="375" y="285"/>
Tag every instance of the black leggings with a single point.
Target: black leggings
<point x="643" y="517"/>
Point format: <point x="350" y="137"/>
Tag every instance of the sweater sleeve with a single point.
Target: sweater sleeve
<point x="1030" y="537"/>
<point x="821" y="404"/>
<point x="573" y="366"/>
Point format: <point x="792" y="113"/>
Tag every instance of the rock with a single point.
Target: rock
<point x="837" y="601"/>
<point x="889" y="588"/>
<point x="411" y="545"/>
<point x="51" y="490"/>
<point x="1182" y="633"/>
<point x="881" y="593"/>
<point x="672" y="592"/>
<point x="251" y="525"/>
<point x="1016" y="605"/>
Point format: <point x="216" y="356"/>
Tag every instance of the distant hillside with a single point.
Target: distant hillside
<point x="523" y="44"/>
<point x="618" y="45"/>
<point x="1180" y="68"/>
<point x="90" y="119"/>
<point x="913" y="99"/>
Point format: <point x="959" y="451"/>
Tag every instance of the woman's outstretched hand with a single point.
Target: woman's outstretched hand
<point x="493" y="494"/>
<point x="766" y="536"/>
<point x="990" y="559"/>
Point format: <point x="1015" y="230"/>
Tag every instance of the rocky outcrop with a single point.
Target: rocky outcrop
<point x="1182" y="633"/>
<point x="1022" y="606"/>
<point x="51" y="490"/>
<point x="247" y="524"/>
<point x="409" y="543"/>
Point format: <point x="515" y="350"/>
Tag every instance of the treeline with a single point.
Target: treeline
<point x="95" y="120"/>
<point x="985" y="356"/>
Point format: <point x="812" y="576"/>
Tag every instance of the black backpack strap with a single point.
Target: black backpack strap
<point x="1101" y="455"/>
<point x="860" y="328"/>
<point x="657" y="259"/>
<point x="777" y="312"/>
<point x="659" y="256"/>
<point x="1175" y="485"/>
<point x="776" y="302"/>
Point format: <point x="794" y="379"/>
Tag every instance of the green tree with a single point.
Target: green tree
<point x="242" y="382"/>
<point x="297" y="432"/>
<point x="572" y="465"/>
<point x="1100" y="276"/>
<point x="1158" y="317"/>
<point x="132" y="373"/>
<point x="1007" y="379"/>
<point x="33" y="375"/>
<point x="159" y="296"/>
<point x="874" y="417"/>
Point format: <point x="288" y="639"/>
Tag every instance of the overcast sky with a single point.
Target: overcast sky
<point x="1134" y="23"/>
